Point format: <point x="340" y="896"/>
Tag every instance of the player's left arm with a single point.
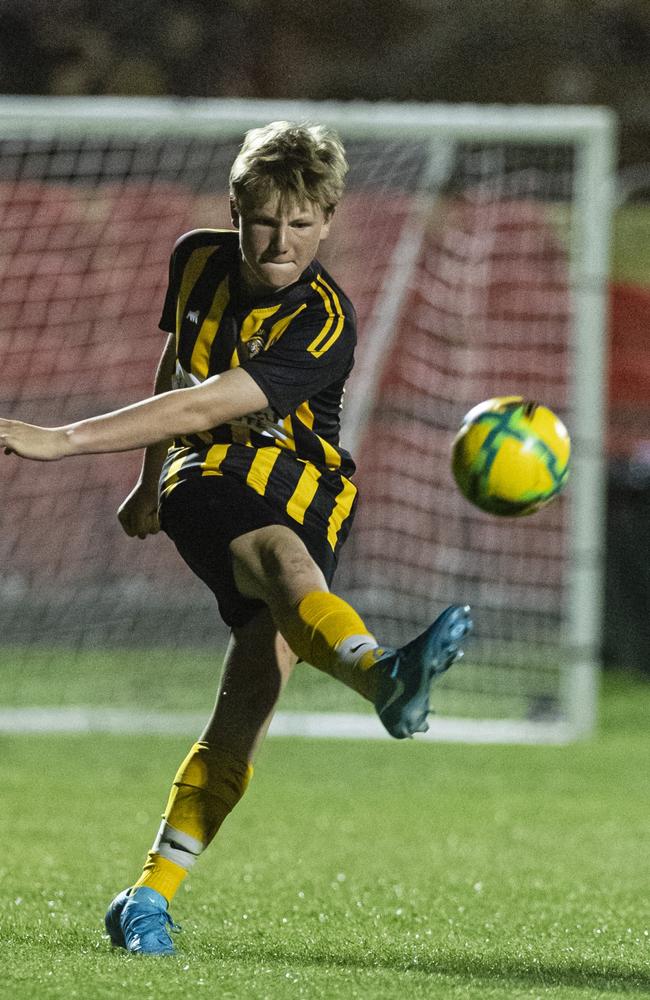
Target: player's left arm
<point x="177" y="413"/>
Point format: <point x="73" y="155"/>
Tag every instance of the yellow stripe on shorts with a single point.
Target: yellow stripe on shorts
<point x="303" y="494"/>
<point x="261" y="469"/>
<point x="211" y="464"/>
<point x="341" y="512"/>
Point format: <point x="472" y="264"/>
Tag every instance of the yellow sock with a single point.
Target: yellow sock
<point x="208" y="784"/>
<point x="327" y="632"/>
<point x="162" y="875"/>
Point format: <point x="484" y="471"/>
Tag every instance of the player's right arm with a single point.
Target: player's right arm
<point x="138" y="514"/>
<point x="218" y="400"/>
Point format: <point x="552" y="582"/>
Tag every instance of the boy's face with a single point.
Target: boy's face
<point x="277" y="240"/>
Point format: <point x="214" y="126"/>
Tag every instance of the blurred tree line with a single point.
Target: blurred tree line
<point x="532" y="51"/>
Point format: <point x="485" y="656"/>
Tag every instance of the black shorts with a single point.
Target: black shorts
<point x="203" y="515"/>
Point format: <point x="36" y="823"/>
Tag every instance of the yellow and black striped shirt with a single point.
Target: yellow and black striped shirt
<point x="298" y="345"/>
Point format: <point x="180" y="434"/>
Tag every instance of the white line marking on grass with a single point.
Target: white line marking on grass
<point x="329" y="725"/>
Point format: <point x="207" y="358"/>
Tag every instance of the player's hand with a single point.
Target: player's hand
<point x="42" y="444"/>
<point x="138" y="514"/>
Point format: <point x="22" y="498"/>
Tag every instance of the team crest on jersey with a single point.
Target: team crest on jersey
<point x="254" y="346"/>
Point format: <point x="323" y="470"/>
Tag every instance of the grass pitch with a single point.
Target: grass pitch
<point x="349" y="870"/>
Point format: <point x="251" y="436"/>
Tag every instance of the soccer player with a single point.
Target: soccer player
<point x="244" y="471"/>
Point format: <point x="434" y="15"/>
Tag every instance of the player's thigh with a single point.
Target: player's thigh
<point x="273" y="564"/>
<point x="257" y="666"/>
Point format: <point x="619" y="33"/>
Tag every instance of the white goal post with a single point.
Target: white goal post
<point x="473" y="240"/>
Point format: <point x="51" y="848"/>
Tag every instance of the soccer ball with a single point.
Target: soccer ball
<point x="511" y="456"/>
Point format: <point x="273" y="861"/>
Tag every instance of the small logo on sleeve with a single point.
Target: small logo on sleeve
<point x="193" y="316"/>
<point x="254" y="346"/>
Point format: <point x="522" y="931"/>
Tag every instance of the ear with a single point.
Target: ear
<point x="234" y="213"/>
<point x="325" y="230"/>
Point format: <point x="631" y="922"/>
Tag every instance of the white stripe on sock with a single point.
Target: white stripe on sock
<point x="352" y="649"/>
<point x="187" y="851"/>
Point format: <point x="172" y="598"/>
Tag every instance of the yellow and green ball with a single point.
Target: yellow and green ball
<point x="511" y="456"/>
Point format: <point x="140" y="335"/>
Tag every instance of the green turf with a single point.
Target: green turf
<point x="154" y="679"/>
<point x="162" y="681"/>
<point x="349" y="870"/>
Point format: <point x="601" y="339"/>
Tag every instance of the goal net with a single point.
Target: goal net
<point x="473" y="242"/>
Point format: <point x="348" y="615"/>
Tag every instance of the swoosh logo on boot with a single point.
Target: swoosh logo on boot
<point x="400" y="687"/>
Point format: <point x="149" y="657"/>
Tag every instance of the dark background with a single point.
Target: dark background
<point x="531" y="51"/>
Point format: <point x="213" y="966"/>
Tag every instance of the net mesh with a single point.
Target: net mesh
<point x="483" y="309"/>
<point x="486" y="311"/>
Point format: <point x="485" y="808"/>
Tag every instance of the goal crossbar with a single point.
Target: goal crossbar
<point x="125" y="115"/>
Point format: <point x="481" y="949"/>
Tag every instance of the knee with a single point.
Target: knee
<point x="272" y="558"/>
<point x="283" y="554"/>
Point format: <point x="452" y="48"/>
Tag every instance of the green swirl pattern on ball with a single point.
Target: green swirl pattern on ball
<point x="510" y="423"/>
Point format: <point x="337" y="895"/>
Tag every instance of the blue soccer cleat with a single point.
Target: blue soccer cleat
<point x="112" y="919"/>
<point x="139" y="922"/>
<point x="407" y="673"/>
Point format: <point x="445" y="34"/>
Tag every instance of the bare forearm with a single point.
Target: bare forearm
<point x="151" y="422"/>
<point x="154" y="454"/>
<point x="173" y="414"/>
<point x="152" y="463"/>
<point x="148" y="423"/>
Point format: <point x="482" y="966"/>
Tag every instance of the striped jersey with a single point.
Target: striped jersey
<point x="298" y="345"/>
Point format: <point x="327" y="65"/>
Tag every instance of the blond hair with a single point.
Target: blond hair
<point x="301" y="162"/>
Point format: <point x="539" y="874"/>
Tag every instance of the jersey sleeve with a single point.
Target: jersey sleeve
<point x="180" y="255"/>
<point x="168" y="317"/>
<point x="313" y="353"/>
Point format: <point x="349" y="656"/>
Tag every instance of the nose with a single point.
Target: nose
<point x="280" y="239"/>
